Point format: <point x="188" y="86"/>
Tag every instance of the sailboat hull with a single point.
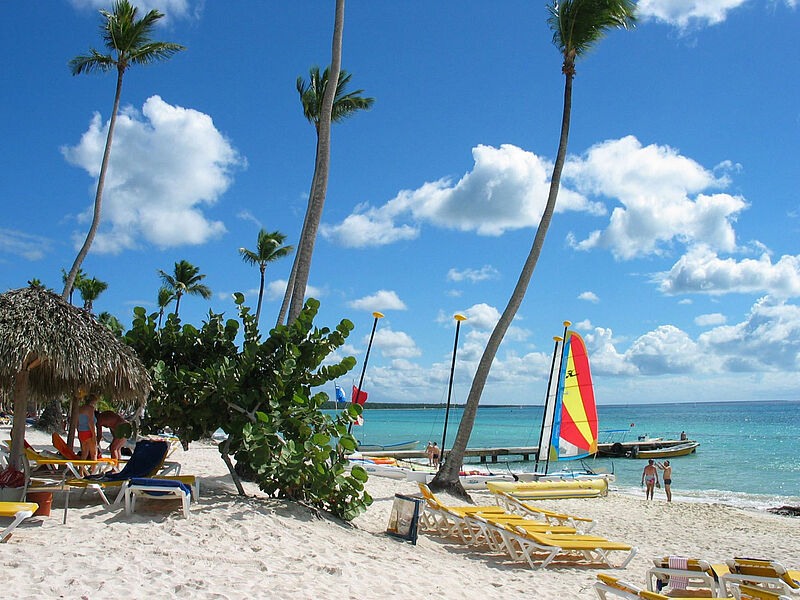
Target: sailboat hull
<point x="553" y="489"/>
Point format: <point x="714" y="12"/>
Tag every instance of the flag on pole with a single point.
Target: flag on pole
<point x="340" y="397"/>
<point x="359" y="397"/>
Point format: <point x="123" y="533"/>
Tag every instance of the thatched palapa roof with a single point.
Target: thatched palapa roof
<point x="73" y="348"/>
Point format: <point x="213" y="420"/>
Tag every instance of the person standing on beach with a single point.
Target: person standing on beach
<point x="667" y="468"/>
<point x="429" y="452"/>
<point x="650" y="477"/>
<point x="435" y="454"/>
<point x="120" y="430"/>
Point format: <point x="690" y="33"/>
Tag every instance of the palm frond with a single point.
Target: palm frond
<point x="91" y="63"/>
<point x="578" y="25"/>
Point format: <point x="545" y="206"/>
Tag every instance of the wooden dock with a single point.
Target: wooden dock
<point x="525" y="453"/>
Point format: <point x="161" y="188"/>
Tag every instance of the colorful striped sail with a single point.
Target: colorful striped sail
<point x="574" y="432"/>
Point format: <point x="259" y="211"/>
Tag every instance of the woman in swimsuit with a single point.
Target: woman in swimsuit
<point x="87" y="424"/>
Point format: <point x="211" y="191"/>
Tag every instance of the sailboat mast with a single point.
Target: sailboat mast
<point x="556" y="339"/>
<point x="560" y="365"/>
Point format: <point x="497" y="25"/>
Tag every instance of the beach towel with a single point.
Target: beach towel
<point x="677" y="582"/>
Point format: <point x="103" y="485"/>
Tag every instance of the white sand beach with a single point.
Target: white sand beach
<point x="259" y="547"/>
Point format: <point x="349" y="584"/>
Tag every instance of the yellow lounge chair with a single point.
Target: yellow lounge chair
<point x="767" y="574"/>
<point x="518" y="506"/>
<point x="18" y="511"/>
<point x="447" y="520"/>
<point x="698" y="575"/>
<point x="740" y="592"/>
<point x="525" y="543"/>
<point x="607" y="585"/>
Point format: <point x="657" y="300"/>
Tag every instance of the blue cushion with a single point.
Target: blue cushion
<point x="165" y="483"/>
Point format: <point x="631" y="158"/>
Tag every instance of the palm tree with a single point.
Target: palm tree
<point x="319" y="183"/>
<point x="129" y="41"/>
<point x="577" y="26"/>
<point x="90" y="289"/>
<point x="79" y="276"/>
<point x="268" y="249"/>
<point x="344" y="106"/>
<point x="165" y="296"/>
<point x="112" y="322"/>
<point x="185" y="280"/>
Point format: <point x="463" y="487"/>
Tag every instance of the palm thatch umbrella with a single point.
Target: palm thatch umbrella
<point x="49" y="348"/>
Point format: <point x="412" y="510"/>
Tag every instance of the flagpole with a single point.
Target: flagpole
<point x="458" y="319"/>
<point x="377" y="316"/>
<point x="560" y="364"/>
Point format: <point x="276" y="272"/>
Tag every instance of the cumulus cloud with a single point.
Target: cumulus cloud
<point x="710" y="319"/>
<point x="394" y="344"/>
<point x="688" y="13"/>
<point x="482" y="317"/>
<point x="26" y="245"/>
<point x="277" y="288"/>
<point x="701" y="270"/>
<point x="167" y="164"/>
<point x="660" y="195"/>
<point x="171" y="9"/>
<point x="473" y="275"/>
<point x="506" y="190"/>
<point x="589" y="297"/>
<point x="379" y="301"/>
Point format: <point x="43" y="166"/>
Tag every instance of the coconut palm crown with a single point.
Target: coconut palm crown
<point x="130" y="42"/>
<point x="344" y="104"/>
<point x="268" y="249"/>
<point x="185" y="279"/>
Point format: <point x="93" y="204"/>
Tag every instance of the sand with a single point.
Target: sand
<point x="259" y="547"/>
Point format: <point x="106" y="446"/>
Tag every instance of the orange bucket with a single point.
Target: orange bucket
<point x="44" y="500"/>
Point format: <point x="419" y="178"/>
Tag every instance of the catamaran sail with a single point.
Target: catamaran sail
<point x="570" y="424"/>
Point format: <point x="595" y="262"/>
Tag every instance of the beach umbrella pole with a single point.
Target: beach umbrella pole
<point x="458" y="319"/>
<point x="377" y="316"/>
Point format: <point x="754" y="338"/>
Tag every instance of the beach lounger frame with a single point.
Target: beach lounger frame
<point x="768" y="574"/>
<point x="699" y="574"/>
<point x="133" y="488"/>
<point x="518" y="506"/>
<point x="607" y="585"/>
<point x="18" y="512"/>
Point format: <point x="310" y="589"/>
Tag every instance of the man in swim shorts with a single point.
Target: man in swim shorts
<point x="667" y="468"/>
<point x="650" y="477"/>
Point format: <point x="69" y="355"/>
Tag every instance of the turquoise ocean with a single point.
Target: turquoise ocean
<point x="749" y="454"/>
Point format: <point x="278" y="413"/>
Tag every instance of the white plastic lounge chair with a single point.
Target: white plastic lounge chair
<point x="161" y="489"/>
<point x="697" y="574"/>
<point x="767" y="574"/>
<point x="518" y="506"/>
<point x="18" y="511"/>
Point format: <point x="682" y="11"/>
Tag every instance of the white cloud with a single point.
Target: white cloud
<point x="654" y="184"/>
<point x="26" y="245"/>
<point x="379" y="301"/>
<point x="482" y="317"/>
<point x="711" y="319"/>
<point x="667" y="349"/>
<point x="506" y="190"/>
<point x="277" y="288"/>
<point x="701" y="271"/>
<point x="167" y="164"/>
<point x="589" y="297"/>
<point x="604" y="358"/>
<point x="172" y="9"/>
<point x="685" y="13"/>
<point x="394" y="344"/>
<point x="473" y="275"/>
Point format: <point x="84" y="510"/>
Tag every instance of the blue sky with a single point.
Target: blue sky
<point x="674" y="244"/>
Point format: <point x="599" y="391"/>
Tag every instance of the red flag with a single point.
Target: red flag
<point x="359" y="396"/>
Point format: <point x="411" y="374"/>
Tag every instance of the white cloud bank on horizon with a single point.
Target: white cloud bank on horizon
<point x="688" y="13"/>
<point x="506" y="190"/>
<point x="167" y="164"/>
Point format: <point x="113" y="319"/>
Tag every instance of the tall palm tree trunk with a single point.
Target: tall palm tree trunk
<point x="447" y="477"/>
<point x="260" y="293"/>
<point x="287" y="295"/>
<point x="98" y="200"/>
<point x="306" y="246"/>
<point x="177" y="302"/>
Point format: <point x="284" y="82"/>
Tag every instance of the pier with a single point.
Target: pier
<point x="524" y="453"/>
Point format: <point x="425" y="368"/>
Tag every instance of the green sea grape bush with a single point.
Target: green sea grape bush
<point x="261" y="396"/>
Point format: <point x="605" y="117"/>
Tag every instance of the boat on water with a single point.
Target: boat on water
<point x="584" y="488"/>
<point x="410" y="445"/>
<point x="666" y="452"/>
